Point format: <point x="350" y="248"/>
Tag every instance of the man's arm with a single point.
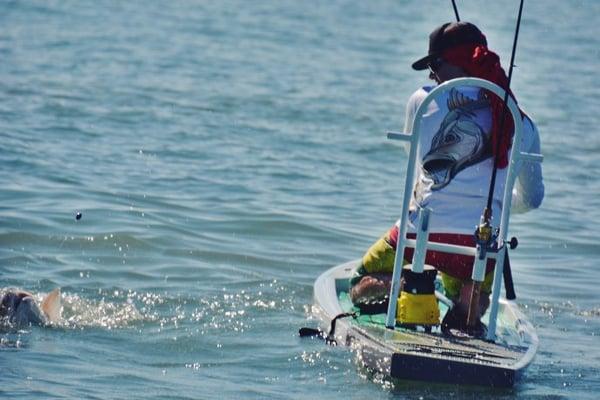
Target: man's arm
<point x="528" y="191"/>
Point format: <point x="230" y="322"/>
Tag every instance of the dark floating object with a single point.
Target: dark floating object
<point x="78" y="216"/>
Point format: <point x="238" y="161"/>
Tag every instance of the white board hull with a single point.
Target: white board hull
<point x="408" y="354"/>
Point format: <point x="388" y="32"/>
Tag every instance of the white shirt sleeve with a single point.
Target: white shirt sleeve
<point x="411" y="107"/>
<point x="409" y="115"/>
<point x="528" y="191"/>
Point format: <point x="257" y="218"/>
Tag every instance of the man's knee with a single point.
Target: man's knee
<point x="381" y="255"/>
<point x="375" y="287"/>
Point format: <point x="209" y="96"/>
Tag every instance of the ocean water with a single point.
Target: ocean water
<point x="223" y="154"/>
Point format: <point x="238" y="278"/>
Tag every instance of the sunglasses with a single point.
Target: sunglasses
<point x="435" y="64"/>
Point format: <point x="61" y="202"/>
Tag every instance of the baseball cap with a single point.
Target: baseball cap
<point x="449" y="35"/>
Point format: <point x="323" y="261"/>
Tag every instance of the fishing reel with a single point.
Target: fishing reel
<point x="485" y="236"/>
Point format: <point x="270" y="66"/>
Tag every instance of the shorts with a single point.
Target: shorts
<point x="453" y="285"/>
<point x="380" y="256"/>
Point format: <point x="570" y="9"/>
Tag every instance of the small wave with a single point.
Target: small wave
<point x="592" y="313"/>
<point x="566" y="309"/>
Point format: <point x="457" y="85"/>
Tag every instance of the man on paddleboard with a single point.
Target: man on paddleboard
<point x="455" y="160"/>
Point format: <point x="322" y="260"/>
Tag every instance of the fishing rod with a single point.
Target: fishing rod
<point x="484" y="234"/>
<point x="455" y="11"/>
<point x="504" y="110"/>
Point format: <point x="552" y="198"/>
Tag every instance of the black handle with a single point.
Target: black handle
<point x="509" y="286"/>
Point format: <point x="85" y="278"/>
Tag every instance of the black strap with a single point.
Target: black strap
<point x="330" y="337"/>
<point x="509" y="286"/>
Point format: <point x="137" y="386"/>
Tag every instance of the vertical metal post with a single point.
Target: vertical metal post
<point x="511" y="176"/>
<point x="491" y="332"/>
<point x="401" y="242"/>
<point x="418" y="261"/>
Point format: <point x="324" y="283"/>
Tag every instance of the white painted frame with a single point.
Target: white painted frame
<point x="403" y="242"/>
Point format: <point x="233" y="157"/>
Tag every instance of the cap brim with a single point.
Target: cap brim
<point x="421" y="64"/>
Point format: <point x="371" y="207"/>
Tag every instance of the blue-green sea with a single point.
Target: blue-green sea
<point x="223" y="154"/>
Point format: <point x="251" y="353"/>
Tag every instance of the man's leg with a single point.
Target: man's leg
<point x="459" y="292"/>
<point x="372" y="280"/>
<point x="371" y="288"/>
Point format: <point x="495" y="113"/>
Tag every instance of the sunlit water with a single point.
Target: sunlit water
<point x="224" y="154"/>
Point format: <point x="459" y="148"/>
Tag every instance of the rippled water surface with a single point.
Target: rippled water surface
<point x="224" y="154"/>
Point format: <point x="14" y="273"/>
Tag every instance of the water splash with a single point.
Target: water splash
<point x="79" y="312"/>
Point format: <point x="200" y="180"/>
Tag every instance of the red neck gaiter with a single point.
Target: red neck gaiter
<point x="480" y="62"/>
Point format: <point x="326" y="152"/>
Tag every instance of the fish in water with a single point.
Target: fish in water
<point x="459" y="142"/>
<point x="20" y="308"/>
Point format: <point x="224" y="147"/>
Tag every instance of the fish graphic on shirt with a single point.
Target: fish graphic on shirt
<point x="459" y="142"/>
